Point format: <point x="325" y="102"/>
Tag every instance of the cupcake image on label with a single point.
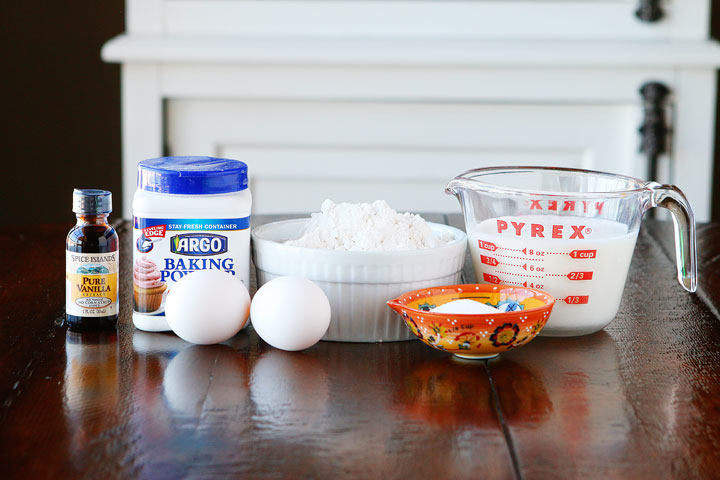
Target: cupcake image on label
<point x="148" y="288"/>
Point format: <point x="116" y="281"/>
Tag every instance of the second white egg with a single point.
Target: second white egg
<point x="290" y="313"/>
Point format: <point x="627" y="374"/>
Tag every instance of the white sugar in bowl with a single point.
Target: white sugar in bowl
<point x="358" y="283"/>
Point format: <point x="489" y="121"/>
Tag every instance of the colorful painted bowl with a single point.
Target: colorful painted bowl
<point x="475" y="336"/>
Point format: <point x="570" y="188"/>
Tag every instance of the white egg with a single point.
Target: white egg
<point x="207" y="306"/>
<point x="290" y="313"/>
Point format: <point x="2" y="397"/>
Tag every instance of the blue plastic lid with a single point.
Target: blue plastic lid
<point x="192" y="175"/>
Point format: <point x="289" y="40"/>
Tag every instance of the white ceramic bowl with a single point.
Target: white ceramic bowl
<point x="358" y="283"/>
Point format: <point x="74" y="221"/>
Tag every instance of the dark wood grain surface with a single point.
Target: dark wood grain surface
<point x="640" y="399"/>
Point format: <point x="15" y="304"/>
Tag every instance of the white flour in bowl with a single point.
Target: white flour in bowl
<point x="365" y="227"/>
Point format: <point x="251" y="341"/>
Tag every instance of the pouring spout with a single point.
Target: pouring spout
<point x="395" y="305"/>
<point x="454" y="187"/>
<point x="459" y="185"/>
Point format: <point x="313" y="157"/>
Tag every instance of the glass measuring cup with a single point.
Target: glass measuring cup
<point x="568" y="232"/>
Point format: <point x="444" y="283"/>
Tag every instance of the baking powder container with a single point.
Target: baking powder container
<point x="190" y="213"/>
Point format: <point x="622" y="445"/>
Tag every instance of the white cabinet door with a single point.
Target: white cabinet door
<point x="300" y="153"/>
<point x="521" y="19"/>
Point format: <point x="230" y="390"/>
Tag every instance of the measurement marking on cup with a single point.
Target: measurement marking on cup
<point x="489" y="260"/>
<point x="584" y="254"/>
<point x="490" y="246"/>
<point x="487" y="245"/>
<point x="512" y="264"/>
<point x="576" y="299"/>
<point x="527" y="261"/>
<point x="494" y="262"/>
<point x="519" y="258"/>
<point x="580" y="275"/>
<point x="491" y="278"/>
<point x="524" y="275"/>
<point x="573" y="275"/>
<point x="496" y="280"/>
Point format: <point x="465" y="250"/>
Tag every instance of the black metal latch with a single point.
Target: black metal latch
<point x="654" y="130"/>
<point x="649" y="11"/>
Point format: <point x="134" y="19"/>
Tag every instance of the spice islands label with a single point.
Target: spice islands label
<point x="92" y="280"/>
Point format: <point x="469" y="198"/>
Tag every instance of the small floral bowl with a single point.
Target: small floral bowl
<point x="522" y="313"/>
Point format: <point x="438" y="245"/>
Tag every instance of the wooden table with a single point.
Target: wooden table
<point x="640" y="399"/>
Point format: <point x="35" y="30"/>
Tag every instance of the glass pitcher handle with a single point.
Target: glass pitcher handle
<point x="672" y="198"/>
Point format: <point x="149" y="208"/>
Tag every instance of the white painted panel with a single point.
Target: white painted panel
<point x="690" y="18"/>
<point x="145" y="16"/>
<point x="693" y="136"/>
<point x="392" y="123"/>
<point x="142" y="132"/>
<point x="302" y="152"/>
<point x="546" y="85"/>
<point x="448" y="18"/>
<point x="298" y="179"/>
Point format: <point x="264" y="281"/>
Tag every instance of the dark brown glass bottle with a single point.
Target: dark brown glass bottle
<point x="91" y="264"/>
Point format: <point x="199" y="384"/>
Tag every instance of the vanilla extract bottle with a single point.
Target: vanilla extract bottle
<point x="91" y="264"/>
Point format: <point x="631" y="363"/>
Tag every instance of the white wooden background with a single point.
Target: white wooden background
<point x="360" y="100"/>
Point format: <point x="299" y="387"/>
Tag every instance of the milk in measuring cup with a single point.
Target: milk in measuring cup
<point x="581" y="261"/>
